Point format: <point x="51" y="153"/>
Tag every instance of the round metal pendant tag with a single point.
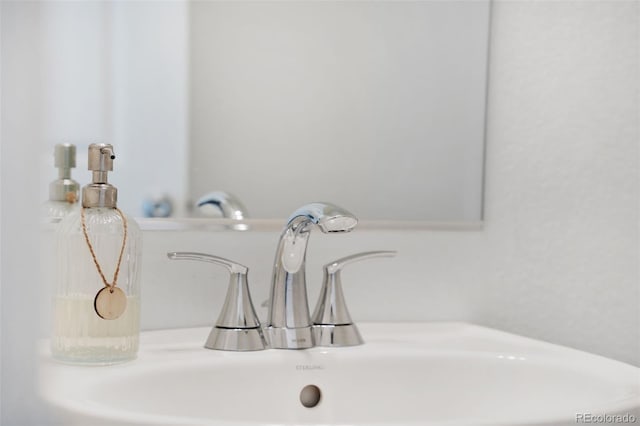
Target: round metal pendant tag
<point x="110" y="303"/>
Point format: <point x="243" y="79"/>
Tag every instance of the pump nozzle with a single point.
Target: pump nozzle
<point x="108" y="151"/>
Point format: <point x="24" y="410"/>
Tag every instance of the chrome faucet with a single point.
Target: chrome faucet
<point x="237" y="327"/>
<point x="230" y="205"/>
<point x="288" y="323"/>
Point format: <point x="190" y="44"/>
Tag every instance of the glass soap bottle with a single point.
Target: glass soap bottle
<point x="63" y="192"/>
<point x="97" y="299"/>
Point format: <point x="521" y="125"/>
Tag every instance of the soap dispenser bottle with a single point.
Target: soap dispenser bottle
<point x="63" y="192"/>
<point x="97" y="299"/>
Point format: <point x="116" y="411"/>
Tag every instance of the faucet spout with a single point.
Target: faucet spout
<point x="289" y="323"/>
<point x="230" y="205"/>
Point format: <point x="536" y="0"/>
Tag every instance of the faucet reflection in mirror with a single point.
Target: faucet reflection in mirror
<point x="228" y="205"/>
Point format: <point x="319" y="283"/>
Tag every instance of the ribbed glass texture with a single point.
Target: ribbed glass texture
<point x="79" y="334"/>
<point x="54" y="211"/>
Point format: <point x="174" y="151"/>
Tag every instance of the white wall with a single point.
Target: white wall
<point x="558" y="257"/>
<point x="562" y="247"/>
<point x="21" y="117"/>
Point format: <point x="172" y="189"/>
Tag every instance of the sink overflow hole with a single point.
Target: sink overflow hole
<point x="310" y="396"/>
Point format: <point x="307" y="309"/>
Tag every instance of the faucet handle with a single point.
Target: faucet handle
<point x="337" y="265"/>
<point x="237" y="327"/>
<point x="332" y="324"/>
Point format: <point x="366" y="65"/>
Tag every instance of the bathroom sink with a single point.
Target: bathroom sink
<point x="405" y="374"/>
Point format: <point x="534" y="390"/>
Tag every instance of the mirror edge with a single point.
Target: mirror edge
<point x="217" y="224"/>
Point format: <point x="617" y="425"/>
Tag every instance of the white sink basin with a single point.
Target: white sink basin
<point x="427" y="374"/>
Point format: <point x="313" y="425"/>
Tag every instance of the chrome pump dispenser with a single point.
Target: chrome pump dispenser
<point x="100" y="193"/>
<point x="63" y="192"/>
<point x="97" y="300"/>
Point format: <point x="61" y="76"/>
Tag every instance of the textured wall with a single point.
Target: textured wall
<point x="558" y="257"/>
<point x="562" y="175"/>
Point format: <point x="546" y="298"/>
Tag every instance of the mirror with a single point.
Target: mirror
<point x="377" y="106"/>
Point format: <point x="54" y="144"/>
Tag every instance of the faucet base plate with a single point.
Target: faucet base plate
<point x="236" y="339"/>
<point x="337" y="335"/>
<point x="289" y="338"/>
